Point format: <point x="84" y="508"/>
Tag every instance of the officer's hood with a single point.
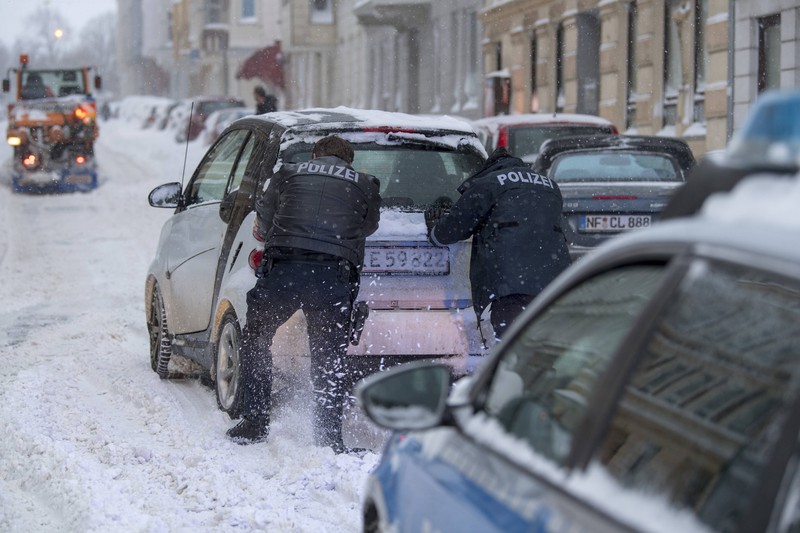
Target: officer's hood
<point x="499" y="160"/>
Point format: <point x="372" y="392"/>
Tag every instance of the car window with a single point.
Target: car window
<point x="211" y="180"/>
<point x="614" y="166"/>
<point x="241" y="165"/>
<point x="702" y="412"/>
<point x="547" y="372"/>
<point x="526" y="140"/>
<point x="411" y="177"/>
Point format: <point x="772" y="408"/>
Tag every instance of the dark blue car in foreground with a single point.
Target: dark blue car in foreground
<point x="654" y="386"/>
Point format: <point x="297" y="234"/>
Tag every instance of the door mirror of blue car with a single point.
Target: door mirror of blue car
<point x="166" y="195"/>
<point x="408" y="397"/>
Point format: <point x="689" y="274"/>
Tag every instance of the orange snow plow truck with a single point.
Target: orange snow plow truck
<point x="52" y="127"/>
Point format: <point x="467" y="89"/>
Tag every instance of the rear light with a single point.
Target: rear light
<point x="257" y="237"/>
<point x="255" y="258"/>
<point x="606" y="197"/>
<point x="30" y="160"/>
<point x="502" y="138"/>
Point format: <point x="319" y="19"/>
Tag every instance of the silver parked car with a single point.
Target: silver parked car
<point x="195" y="291"/>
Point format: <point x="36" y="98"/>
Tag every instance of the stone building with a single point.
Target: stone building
<point x="688" y="68"/>
<point x="417" y="57"/>
<point x="212" y="39"/>
<point x="659" y="67"/>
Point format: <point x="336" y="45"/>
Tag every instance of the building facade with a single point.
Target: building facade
<point x="685" y="68"/>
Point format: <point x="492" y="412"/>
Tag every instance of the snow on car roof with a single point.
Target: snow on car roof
<point x="348" y="118"/>
<point x="758" y="199"/>
<point x="541" y="118"/>
<point x="381" y="127"/>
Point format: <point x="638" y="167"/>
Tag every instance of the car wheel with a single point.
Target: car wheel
<point x="227" y="368"/>
<point x="160" y="340"/>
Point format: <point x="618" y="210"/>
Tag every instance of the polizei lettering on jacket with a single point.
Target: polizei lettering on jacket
<point x="524" y="177"/>
<point x="331" y="170"/>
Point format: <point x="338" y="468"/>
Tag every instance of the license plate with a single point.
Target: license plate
<point x="407" y="260"/>
<point x="78" y="179"/>
<point x="612" y="223"/>
<point x="39" y="178"/>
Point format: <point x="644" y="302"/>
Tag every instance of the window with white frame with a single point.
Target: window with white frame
<point x="214" y="12"/>
<point x="321" y="11"/>
<point x="769" y="52"/>
<point x="672" y="63"/>
<point x="630" y="89"/>
<point x="248" y="9"/>
<point x="700" y="59"/>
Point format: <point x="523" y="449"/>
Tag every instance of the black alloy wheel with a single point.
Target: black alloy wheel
<point x="227" y="367"/>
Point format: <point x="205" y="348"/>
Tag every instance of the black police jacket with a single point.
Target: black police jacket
<point x="514" y="218"/>
<point x="321" y="206"/>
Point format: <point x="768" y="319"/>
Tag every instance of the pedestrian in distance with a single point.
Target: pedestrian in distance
<point x="514" y="218"/>
<point x="265" y="103"/>
<point x="314" y="217"/>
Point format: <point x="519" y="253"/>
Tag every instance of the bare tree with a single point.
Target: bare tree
<point x="97" y="47"/>
<point x="42" y="43"/>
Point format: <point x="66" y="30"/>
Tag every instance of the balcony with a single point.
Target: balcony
<point x="402" y="14"/>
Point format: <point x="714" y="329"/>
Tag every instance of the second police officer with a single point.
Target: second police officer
<point x="518" y="247"/>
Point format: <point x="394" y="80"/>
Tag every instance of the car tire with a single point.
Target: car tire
<point x="226" y="369"/>
<point x="160" y="339"/>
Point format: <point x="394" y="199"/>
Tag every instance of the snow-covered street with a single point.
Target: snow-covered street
<point x="90" y="438"/>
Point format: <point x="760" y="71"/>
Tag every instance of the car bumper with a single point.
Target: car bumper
<point x="411" y="334"/>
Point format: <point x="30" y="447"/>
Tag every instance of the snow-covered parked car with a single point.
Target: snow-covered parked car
<point x="418" y="294"/>
<point x="654" y="386"/>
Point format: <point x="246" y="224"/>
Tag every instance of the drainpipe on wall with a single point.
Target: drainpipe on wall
<point x="731" y="65"/>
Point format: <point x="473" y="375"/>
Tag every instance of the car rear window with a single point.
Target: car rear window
<point x="412" y="177"/>
<point x="617" y="166"/>
<point x="526" y="141"/>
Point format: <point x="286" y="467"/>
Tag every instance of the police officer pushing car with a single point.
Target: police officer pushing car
<point x="514" y="218"/>
<point x="314" y="217"/>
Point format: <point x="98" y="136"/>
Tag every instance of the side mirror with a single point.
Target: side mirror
<point x="6" y="85"/>
<point x="166" y="195"/>
<point x="98" y="82"/>
<point x="226" y="206"/>
<point x="408" y="397"/>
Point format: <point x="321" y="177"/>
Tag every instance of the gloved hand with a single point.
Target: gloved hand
<point x="438" y="210"/>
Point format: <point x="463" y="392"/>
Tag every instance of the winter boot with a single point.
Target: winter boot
<point x="250" y="430"/>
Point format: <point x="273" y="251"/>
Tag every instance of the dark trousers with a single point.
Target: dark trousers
<point x="326" y="300"/>
<point x="505" y="310"/>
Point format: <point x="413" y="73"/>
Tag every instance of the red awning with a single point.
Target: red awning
<point x="266" y="64"/>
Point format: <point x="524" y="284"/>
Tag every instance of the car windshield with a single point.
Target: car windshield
<point x="49" y="83"/>
<point x="617" y="166"/>
<point x="412" y="177"/>
<point x="526" y="140"/>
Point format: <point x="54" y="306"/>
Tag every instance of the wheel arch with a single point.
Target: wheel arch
<point x="149" y="289"/>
